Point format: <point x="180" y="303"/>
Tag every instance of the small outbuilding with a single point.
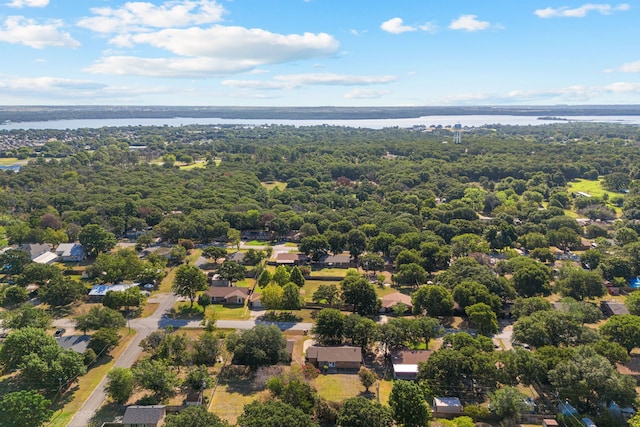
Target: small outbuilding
<point x="549" y="423"/>
<point x="446" y="407"/>
<point x="406" y="363"/>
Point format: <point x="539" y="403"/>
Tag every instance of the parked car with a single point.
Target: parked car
<point x="60" y="332"/>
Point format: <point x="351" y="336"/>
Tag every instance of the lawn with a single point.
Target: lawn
<point x="87" y="383"/>
<point x="331" y="272"/>
<point x="595" y="189"/>
<point x="232" y="394"/>
<point x="8" y="161"/>
<point x="338" y="387"/>
<point x="257" y="243"/>
<point x="200" y="164"/>
<point x="311" y="286"/>
<point x="270" y="185"/>
<point x="228" y="313"/>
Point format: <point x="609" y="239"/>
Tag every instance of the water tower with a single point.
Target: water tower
<point x="457" y="133"/>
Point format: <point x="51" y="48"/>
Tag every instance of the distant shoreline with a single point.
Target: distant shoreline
<point x="17" y="114"/>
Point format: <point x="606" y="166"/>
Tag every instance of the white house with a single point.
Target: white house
<point x="70" y="252"/>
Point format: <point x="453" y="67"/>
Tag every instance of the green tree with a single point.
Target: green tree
<point x="531" y="279"/>
<point x="96" y="239"/>
<point x="155" y="376"/>
<point x="358" y="292"/>
<point x="51" y="368"/>
<point x="260" y="346"/>
<point x="25" y="408"/>
<point x="527" y="306"/>
<point x="14" y="295"/>
<point x="633" y="303"/>
<point x="21" y="342"/>
<point x="623" y="329"/>
<point x="508" y="403"/>
<point x="315" y="246"/>
<point x="468" y="293"/>
<point x="273" y="413"/>
<point x="580" y="284"/>
<point x="410" y="274"/>
<point x="281" y="275"/>
<point x="40" y="274"/>
<point x="14" y="261"/>
<point x="327" y="293"/>
<point x="232" y="271"/>
<point x="214" y="253"/>
<point x="296" y="276"/>
<point x="103" y="341"/>
<point x="483" y="318"/>
<point x="362" y="412"/>
<point x="329" y="326"/>
<point x="64" y="291"/>
<point x="272" y="297"/>
<point x="100" y="317"/>
<point x="120" y="384"/>
<point x="178" y="254"/>
<point x="206" y="349"/>
<point x="549" y="328"/>
<point x="367" y="377"/>
<point x="372" y="262"/>
<point x="27" y="315"/>
<point x="407" y="401"/>
<point x="291" y="299"/>
<point x="434" y="300"/>
<point x="264" y="278"/>
<point x="194" y="416"/>
<point x="356" y="242"/>
<point x="188" y="281"/>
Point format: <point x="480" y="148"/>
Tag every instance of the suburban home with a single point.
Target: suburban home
<point x="335" y="261"/>
<point x="40" y="253"/>
<point x="406" y="363"/>
<point x="613" y="308"/>
<point x="391" y="300"/>
<point x="446" y="407"/>
<point x="333" y="359"/>
<point x="255" y="303"/>
<point x="235" y="295"/>
<point x="98" y="292"/>
<point x="144" y="416"/>
<point x="291" y="259"/>
<point x="70" y="252"/>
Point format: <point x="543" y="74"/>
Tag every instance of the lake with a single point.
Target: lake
<point x="465" y="120"/>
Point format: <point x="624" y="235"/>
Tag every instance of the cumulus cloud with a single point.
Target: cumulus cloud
<point x="28" y="3"/>
<point x="294" y="81"/>
<point x="20" y="30"/>
<point x="365" y="94"/>
<point x="630" y="67"/>
<point x="469" y="23"/>
<point x="396" y="26"/>
<point x="141" y="16"/>
<point x="580" y="12"/>
<point x="218" y="50"/>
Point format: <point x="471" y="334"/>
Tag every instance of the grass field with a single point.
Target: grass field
<point x="199" y="164"/>
<point x="8" y="161"/>
<point x="339" y="387"/>
<point x="228" y="313"/>
<point x="274" y="184"/>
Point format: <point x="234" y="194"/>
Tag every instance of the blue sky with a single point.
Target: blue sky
<point x="319" y="52"/>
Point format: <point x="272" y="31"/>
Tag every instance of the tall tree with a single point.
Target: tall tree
<point x="273" y="413"/>
<point x="329" y="326"/>
<point x="232" y="271"/>
<point x="188" y="281"/>
<point x="291" y="299"/>
<point x="362" y="412"/>
<point x="25" y="408"/>
<point x="96" y="239"/>
<point x="119" y="385"/>
<point x="409" y="405"/>
<point x="358" y="292"/>
<point x="508" y="403"/>
<point x="434" y="300"/>
<point x="195" y="416"/>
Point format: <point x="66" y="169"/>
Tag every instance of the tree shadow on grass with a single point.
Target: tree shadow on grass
<point x="107" y="413"/>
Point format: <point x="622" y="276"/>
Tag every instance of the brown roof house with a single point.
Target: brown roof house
<point x="291" y="259"/>
<point x="391" y="300"/>
<point x="334" y="359"/>
<point x="335" y="261"/>
<point x="144" y="416"/>
<point x="235" y="295"/>
<point x="406" y="363"/>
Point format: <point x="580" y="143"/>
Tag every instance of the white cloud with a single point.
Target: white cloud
<point x="219" y="50"/>
<point x="629" y="67"/>
<point x="429" y="27"/>
<point x="396" y="26"/>
<point x="365" y="94"/>
<point x="580" y="12"/>
<point x="141" y="16"/>
<point x="294" y="81"/>
<point x="469" y="23"/>
<point x="28" y="3"/>
<point x="20" y="30"/>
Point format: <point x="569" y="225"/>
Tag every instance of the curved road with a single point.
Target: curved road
<point x="146" y="326"/>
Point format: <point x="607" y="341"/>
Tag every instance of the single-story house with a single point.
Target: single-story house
<point x="228" y="295"/>
<point x="35" y="249"/>
<point x="335" y="261"/>
<point x="613" y="308"/>
<point x="99" y="291"/>
<point x="77" y="343"/>
<point x="144" y="416"/>
<point x="295" y="258"/>
<point x="406" y="363"/>
<point x="391" y="300"/>
<point x="332" y="359"/>
<point x="70" y="252"/>
<point x="447" y="406"/>
<point x="46" y="258"/>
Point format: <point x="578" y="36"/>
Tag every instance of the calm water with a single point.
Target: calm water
<point x="472" y="121"/>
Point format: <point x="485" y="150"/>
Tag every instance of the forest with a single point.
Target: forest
<point x="533" y="227"/>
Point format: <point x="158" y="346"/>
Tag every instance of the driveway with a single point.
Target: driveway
<point x="503" y="338"/>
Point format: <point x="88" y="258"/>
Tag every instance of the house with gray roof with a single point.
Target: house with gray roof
<point x="144" y="416"/>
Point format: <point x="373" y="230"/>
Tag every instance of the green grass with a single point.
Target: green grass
<point x="228" y="313"/>
<point x="200" y="164"/>
<point x="274" y="184"/>
<point x="595" y="189"/>
<point x="331" y="272"/>
<point x="8" y="161"/>
<point x="311" y="286"/>
<point x="257" y="243"/>
<point x="338" y="387"/>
